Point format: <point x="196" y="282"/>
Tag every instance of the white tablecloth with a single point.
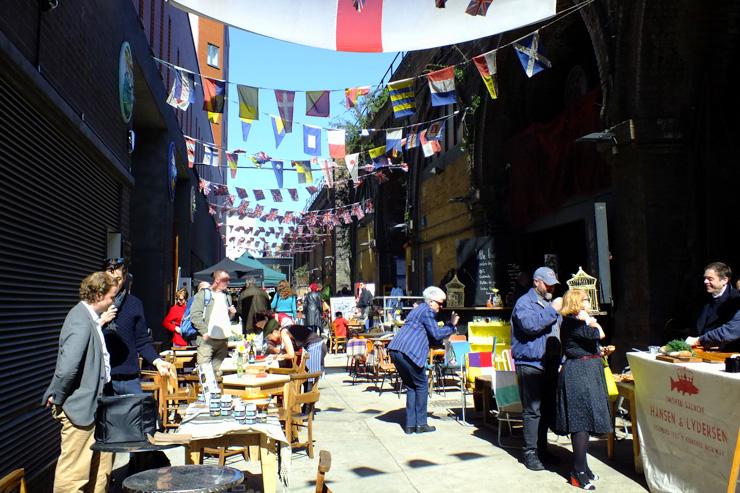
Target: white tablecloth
<point x="688" y="416"/>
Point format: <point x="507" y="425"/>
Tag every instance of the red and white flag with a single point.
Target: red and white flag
<point x="430" y="147"/>
<point x="190" y="145"/>
<point x="336" y="143"/>
<point x="351" y="160"/>
<point x="326" y="168"/>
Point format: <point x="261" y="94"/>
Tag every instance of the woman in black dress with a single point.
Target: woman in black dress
<point x="582" y="399"/>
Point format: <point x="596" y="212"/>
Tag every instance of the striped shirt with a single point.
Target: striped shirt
<point x="413" y="338"/>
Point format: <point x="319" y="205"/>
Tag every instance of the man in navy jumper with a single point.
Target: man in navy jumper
<point x="127" y="336"/>
<point x="719" y="321"/>
<point x="535" y="347"/>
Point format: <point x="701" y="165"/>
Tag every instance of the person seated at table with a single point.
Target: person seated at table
<point x="719" y="321"/>
<point x="174" y="317"/>
<point x="265" y="322"/>
<point x="339" y="325"/>
<point x="409" y="350"/>
<point x="582" y="402"/>
<point x="294" y="337"/>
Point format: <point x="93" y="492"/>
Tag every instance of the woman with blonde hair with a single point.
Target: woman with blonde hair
<point x="582" y="399"/>
<point x="284" y="301"/>
<point x="174" y="317"/>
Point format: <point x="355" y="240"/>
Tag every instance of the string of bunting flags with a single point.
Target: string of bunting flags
<point x="441" y="84"/>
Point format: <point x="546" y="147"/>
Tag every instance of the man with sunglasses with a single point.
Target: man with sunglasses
<point x="409" y="351"/>
<point x="212" y="320"/>
<point x="127" y="336"/>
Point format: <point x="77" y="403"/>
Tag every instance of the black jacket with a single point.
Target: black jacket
<point x="718" y="311"/>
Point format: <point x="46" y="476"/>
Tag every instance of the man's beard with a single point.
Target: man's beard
<point x="548" y="296"/>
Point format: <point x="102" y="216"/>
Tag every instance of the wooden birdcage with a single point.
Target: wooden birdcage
<point x="584" y="282"/>
<point x="455" y="293"/>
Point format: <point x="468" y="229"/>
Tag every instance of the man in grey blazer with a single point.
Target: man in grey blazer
<point x="82" y="370"/>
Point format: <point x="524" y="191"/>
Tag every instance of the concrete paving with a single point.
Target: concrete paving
<point x="370" y="452"/>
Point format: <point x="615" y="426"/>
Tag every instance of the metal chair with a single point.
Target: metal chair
<point x="508" y="402"/>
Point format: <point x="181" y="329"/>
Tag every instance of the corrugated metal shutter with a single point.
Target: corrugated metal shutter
<point x="57" y="205"/>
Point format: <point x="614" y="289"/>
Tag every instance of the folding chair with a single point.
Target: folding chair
<point x="456" y="361"/>
<point x="508" y="403"/>
<point x="324" y="466"/>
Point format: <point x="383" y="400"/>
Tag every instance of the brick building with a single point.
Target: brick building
<point x="643" y="206"/>
<point x="94" y="165"/>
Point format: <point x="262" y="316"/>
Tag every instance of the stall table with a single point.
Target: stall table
<point x="688" y="424"/>
<point x="627" y="390"/>
<point x="250" y="384"/>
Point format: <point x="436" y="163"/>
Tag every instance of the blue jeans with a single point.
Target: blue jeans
<point x="414" y="378"/>
<point x="123" y="387"/>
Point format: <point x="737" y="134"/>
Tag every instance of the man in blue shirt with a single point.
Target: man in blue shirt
<point x="409" y="351"/>
<point x="535" y="347"/>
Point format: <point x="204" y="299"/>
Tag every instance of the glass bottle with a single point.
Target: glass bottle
<point x="251" y="354"/>
<point x="239" y="364"/>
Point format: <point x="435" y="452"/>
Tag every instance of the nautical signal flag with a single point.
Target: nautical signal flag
<point x="377" y="154"/>
<point x="232" y="159"/>
<point x="429" y="147"/>
<point x="190" y="146"/>
<point x="246" y="127"/>
<point x="436" y="130"/>
<point x="336" y="140"/>
<point x="312" y="140"/>
<point x="285" y="103"/>
<point x="351" y="160"/>
<point x="182" y="92"/>
<point x="213" y="95"/>
<point x="278" y="129"/>
<point x="393" y="140"/>
<point x="317" y="103"/>
<point x="303" y="170"/>
<point x="442" y="86"/>
<point x="210" y="155"/>
<point x="351" y="95"/>
<point x="486" y="64"/>
<point x="402" y="97"/>
<point x="528" y="51"/>
<point x="249" y="106"/>
<point x="326" y="169"/>
<point x="277" y="167"/>
<point x="213" y="117"/>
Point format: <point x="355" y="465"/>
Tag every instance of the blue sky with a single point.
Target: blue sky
<point x="272" y="64"/>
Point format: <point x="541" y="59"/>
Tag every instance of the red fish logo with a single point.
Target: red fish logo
<point x="684" y="383"/>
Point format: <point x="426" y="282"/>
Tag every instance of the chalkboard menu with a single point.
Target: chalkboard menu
<point x="476" y="260"/>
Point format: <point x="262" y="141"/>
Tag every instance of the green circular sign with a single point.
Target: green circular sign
<point x="126" y="82"/>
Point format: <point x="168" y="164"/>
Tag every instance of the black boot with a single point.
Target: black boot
<point x="532" y="462"/>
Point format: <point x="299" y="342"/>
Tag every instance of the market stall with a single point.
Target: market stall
<point x="688" y="417"/>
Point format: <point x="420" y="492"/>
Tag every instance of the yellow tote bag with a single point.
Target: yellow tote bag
<point x="611" y="384"/>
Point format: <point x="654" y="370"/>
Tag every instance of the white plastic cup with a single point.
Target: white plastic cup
<point x="653" y="349"/>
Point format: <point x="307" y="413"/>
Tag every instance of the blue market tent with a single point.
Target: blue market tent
<point x="271" y="276"/>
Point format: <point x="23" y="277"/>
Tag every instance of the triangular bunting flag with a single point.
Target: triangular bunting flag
<point x="277" y="129"/>
<point x="442" y="86"/>
<point x="249" y="106"/>
<point x="486" y="64"/>
<point x="277" y="167"/>
<point x="528" y="51"/>
<point x="317" y="103"/>
<point x="336" y="140"/>
<point x="478" y="7"/>
<point x="246" y="126"/>
<point x="285" y="103"/>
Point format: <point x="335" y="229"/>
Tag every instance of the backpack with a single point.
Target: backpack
<point x="187" y="329"/>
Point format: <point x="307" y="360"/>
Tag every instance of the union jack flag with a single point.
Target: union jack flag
<point x="258" y="210"/>
<point x="272" y="215"/>
<point x="242" y="193"/>
<point x="288" y="218"/>
<point x="205" y="186"/>
<point x="357" y="211"/>
<point x="369" y="209"/>
<point x="276" y="195"/>
<point x="293" y="193"/>
<point x="346" y="215"/>
<point x="311" y="189"/>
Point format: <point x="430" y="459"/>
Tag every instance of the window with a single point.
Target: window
<point x="212" y="55"/>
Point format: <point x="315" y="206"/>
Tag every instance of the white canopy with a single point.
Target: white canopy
<point x="383" y="25"/>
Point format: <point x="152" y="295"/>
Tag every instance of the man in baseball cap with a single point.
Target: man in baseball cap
<point x="535" y="346"/>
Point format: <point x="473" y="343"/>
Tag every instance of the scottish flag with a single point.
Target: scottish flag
<point x="528" y="51"/>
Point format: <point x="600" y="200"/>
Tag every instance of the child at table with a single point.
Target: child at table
<point x="339" y="325"/>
